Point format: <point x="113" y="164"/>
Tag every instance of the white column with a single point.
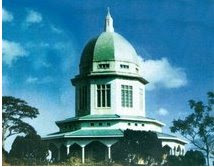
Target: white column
<point x="83" y="154"/>
<point x="68" y="149"/>
<point x="109" y="152"/>
<point x="50" y="155"/>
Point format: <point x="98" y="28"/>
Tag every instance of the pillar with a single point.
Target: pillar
<point x="83" y="154"/>
<point x="174" y="149"/>
<point x="68" y="149"/>
<point x="109" y="152"/>
<point x="50" y="155"/>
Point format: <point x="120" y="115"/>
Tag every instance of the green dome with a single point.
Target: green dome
<point x="109" y="46"/>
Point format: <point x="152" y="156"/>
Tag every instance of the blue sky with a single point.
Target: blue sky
<point x="43" y="41"/>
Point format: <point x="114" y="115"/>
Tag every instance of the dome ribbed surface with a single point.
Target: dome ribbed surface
<point x="108" y="46"/>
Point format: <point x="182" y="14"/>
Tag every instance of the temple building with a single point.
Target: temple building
<point x="109" y="98"/>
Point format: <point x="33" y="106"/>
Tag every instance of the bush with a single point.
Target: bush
<point x="75" y="161"/>
<point x="28" y="150"/>
<point x="194" y="158"/>
<point x="191" y="158"/>
<point x="138" y="147"/>
<point x="173" y="160"/>
<point x="5" y="158"/>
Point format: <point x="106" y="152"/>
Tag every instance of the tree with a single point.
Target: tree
<point x="29" y="149"/>
<point x="198" y="127"/>
<point x="166" y="150"/>
<point x="4" y="157"/>
<point x="194" y="158"/>
<point x="136" y="146"/>
<point x="14" y="110"/>
<point x="191" y="158"/>
<point x="173" y="160"/>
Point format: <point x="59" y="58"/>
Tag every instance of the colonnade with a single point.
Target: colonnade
<point x="175" y="151"/>
<point x="82" y="143"/>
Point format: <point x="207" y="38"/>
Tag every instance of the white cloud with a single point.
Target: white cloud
<point x="162" y="112"/>
<point x="6" y="16"/>
<point x="33" y="17"/>
<point x="160" y="73"/>
<point x="31" y="79"/>
<point x="55" y="29"/>
<point x="11" y="51"/>
<point x="36" y="80"/>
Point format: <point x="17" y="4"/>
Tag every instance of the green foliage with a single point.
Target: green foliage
<point x="29" y="150"/>
<point x="198" y="127"/>
<point x="76" y="161"/>
<point x="173" y="160"/>
<point x="136" y="146"/>
<point x="191" y="158"/>
<point x="166" y="150"/>
<point x="194" y="158"/>
<point x="14" y="110"/>
<point x="4" y="157"/>
<point x="73" y="161"/>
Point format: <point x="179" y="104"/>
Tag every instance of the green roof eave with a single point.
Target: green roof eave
<point x="89" y="117"/>
<point x="110" y="117"/>
<point x="105" y="133"/>
<point x="87" y="133"/>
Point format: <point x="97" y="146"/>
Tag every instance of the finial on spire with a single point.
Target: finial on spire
<point x="108" y="11"/>
<point x="109" y="22"/>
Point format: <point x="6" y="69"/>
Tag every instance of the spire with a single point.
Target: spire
<point x="109" y="22"/>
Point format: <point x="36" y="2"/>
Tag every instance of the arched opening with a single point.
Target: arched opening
<point x="182" y="152"/>
<point x="171" y="151"/>
<point x="75" y="151"/>
<point x="96" y="151"/>
<point x="179" y="150"/>
<point x="63" y="153"/>
<point x="54" y="152"/>
<point x="166" y="150"/>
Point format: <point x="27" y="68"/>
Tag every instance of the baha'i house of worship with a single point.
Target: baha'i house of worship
<point x="109" y="98"/>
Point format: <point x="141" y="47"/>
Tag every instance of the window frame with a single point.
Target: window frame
<point x="103" y="66"/>
<point x="124" y="66"/>
<point x="127" y="96"/>
<point x="103" y="95"/>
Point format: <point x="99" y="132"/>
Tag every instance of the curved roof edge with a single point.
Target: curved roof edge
<point x="164" y="136"/>
<point x="105" y="133"/>
<point x="85" y="133"/>
<point x="110" y="117"/>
